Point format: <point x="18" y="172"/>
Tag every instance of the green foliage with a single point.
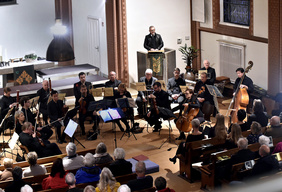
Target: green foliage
<point x="188" y="53"/>
<point x="30" y="56"/>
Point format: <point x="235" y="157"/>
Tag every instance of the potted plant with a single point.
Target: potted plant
<point x="188" y="54"/>
<point x="29" y="58"/>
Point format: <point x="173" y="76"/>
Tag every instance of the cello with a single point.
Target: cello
<point x="240" y="99"/>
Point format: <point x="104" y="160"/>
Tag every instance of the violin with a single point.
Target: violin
<point x="82" y="108"/>
<point x="38" y="135"/>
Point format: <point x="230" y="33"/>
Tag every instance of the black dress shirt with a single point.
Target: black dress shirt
<point x="246" y="81"/>
<point x="120" y="167"/>
<point x="76" y="90"/>
<point x="162" y="99"/>
<point x="43" y="99"/>
<point x="5" y="102"/>
<point x="55" y="110"/>
<point x="112" y="84"/>
<point x="203" y="92"/>
<point x="210" y="74"/>
<point x="141" y="183"/>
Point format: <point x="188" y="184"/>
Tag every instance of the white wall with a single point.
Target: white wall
<point x="255" y="51"/>
<point x="26" y="27"/>
<point x="81" y="9"/>
<point x="171" y="19"/>
<point x="261" y="18"/>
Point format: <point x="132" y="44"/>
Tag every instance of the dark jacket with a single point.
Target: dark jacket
<point x="112" y="84"/>
<point x="203" y="92"/>
<point x="149" y="84"/>
<point x="87" y="174"/>
<point x="15" y="186"/>
<point x="155" y="42"/>
<point x="211" y="75"/>
<point x="5" y="102"/>
<point x="43" y="99"/>
<point x="247" y="81"/>
<point x="141" y="183"/>
<point x="173" y="85"/>
<point x="55" y="110"/>
<point x="120" y="167"/>
<point x="162" y="99"/>
<point x="76" y="90"/>
<point x="265" y="165"/>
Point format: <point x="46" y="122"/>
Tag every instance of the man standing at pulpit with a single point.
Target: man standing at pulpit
<point x="153" y="41"/>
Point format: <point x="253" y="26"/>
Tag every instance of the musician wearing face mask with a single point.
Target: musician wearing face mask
<point x="44" y="94"/>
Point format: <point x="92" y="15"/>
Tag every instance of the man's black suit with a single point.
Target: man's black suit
<point x="5" y="102"/>
<point x="43" y="99"/>
<point x="120" y="167"/>
<point x="55" y="112"/>
<point x="210" y="74"/>
<point x="153" y="42"/>
<point x="76" y="90"/>
<point x="265" y="165"/>
<point x="33" y="145"/>
<point x="141" y="183"/>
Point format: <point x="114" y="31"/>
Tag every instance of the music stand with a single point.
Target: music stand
<point x="127" y="103"/>
<point x="70" y="129"/>
<point x="111" y="115"/>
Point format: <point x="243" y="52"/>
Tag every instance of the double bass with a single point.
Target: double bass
<point x="240" y="99"/>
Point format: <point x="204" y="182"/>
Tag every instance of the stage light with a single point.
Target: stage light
<point x="59" y="49"/>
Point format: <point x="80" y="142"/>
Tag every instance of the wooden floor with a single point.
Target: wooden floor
<point x="147" y="144"/>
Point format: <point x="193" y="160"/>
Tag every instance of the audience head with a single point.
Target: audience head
<point x="101" y="148"/>
<point x="264" y="150"/>
<point x="88" y="160"/>
<point x="106" y="178"/>
<point x="24" y="101"/>
<point x="195" y="124"/>
<point x="157" y="86"/>
<point x="89" y="188"/>
<point x="140" y="169"/>
<point x="242" y="143"/>
<point x="26" y="188"/>
<point x="203" y="77"/>
<point x="71" y="149"/>
<point x="19" y="116"/>
<point x="240" y="72"/>
<point x="148" y="74"/>
<point x="70" y="179"/>
<point x="82" y="77"/>
<point x="220" y="129"/>
<point x="57" y="167"/>
<point x="112" y="76"/>
<point x="257" y="106"/>
<point x="275" y="121"/>
<point x="8" y="163"/>
<point x="119" y="153"/>
<point x="235" y="133"/>
<point x="32" y="158"/>
<point x="122" y="87"/>
<point x="160" y="183"/>
<point x="255" y="128"/>
<point x="17" y="173"/>
<point x="124" y="188"/>
<point x="241" y="114"/>
<point x="264" y="140"/>
<point x="206" y="64"/>
<point x="45" y="85"/>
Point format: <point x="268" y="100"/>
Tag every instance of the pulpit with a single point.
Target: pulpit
<point x="161" y="62"/>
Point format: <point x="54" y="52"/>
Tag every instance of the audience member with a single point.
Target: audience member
<point x="72" y="160"/>
<point x="70" y="180"/>
<point x="219" y="130"/>
<point x="101" y="156"/>
<point x="26" y="188"/>
<point x="241" y="115"/>
<point x="275" y="129"/>
<point x="264" y="140"/>
<point x="278" y="148"/>
<point x="33" y="169"/>
<point x="89" y="188"/>
<point x="196" y="135"/>
<point x="258" y="114"/>
<point x="89" y="172"/>
<point x="142" y="181"/>
<point x="56" y="178"/>
<point x="124" y="188"/>
<point x="120" y="166"/>
<point x="7" y="173"/>
<point x="107" y="182"/>
<point x="267" y="164"/>
<point x="160" y="184"/>
<point x="18" y="183"/>
<point x="255" y="133"/>
<point x="233" y="137"/>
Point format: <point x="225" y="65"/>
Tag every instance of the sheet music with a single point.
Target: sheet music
<point x="105" y="115"/>
<point x="114" y="114"/>
<point x="71" y="127"/>
<point x="13" y="141"/>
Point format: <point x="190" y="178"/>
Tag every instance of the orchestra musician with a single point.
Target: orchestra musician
<point x="20" y="119"/>
<point x="210" y="72"/>
<point x="46" y="133"/>
<point x="141" y="97"/>
<point x="55" y="112"/>
<point x="113" y="82"/>
<point x="6" y="103"/>
<point x="123" y="93"/>
<point x="173" y="86"/>
<point x="204" y="96"/>
<point x="76" y="87"/>
<point x="28" y="138"/>
<point x="44" y="94"/>
<point x="84" y="101"/>
<point x="192" y="102"/>
<point x="160" y="98"/>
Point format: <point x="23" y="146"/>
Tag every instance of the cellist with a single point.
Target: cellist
<point x="190" y="101"/>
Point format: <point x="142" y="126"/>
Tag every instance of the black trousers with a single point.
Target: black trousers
<point x="82" y="117"/>
<point x="61" y="136"/>
<point x="46" y="133"/>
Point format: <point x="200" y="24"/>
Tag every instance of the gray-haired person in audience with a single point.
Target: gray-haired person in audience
<point x="142" y="181"/>
<point x="33" y="169"/>
<point x="124" y="188"/>
<point x="101" y="156"/>
<point x="26" y="188"/>
<point x="72" y="160"/>
<point x="7" y="173"/>
<point x="120" y="166"/>
<point x="70" y="180"/>
<point x="264" y="140"/>
<point x="89" y="188"/>
<point x="89" y="172"/>
<point x="17" y="183"/>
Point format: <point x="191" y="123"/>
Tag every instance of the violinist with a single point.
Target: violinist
<point x="20" y="119"/>
<point x="141" y="98"/>
<point x="28" y="138"/>
<point x="160" y="98"/>
<point x="84" y="100"/>
<point x="46" y="133"/>
<point x="123" y="93"/>
<point x="55" y="112"/>
<point x="76" y="86"/>
<point x="44" y="94"/>
<point x="192" y="102"/>
<point x="210" y="72"/>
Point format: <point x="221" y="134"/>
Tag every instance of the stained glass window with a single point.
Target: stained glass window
<point x="237" y="12"/>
